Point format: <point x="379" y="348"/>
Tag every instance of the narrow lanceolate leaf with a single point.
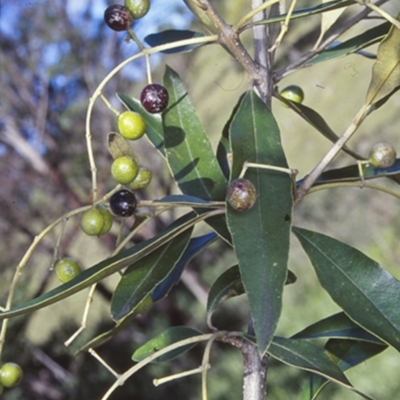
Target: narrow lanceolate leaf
<point x="142" y="277"/>
<point x="328" y="18"/>
<point x="188" y="149"/>
<point x="105" y="268"/>
<point x="386" y="70"/>
<point x="336" y="326"/>
<point x="261" y="234"/>
<point x="227" y="285"/>
<point x="365" y="291"/>
<point x="304" y="355"/>
<point x="195" y="246"/>
<point x="171" y="36"/>
<point x="305" y="12"/>
<point x="154" y="128"/>
<point x="353" y="45"/>
<point x="164" y="339"/>
<point x="346" y="354"/>
<point x="351" y="173"/>
<point x="316" y="121"/>
<point x="349" y="353"/>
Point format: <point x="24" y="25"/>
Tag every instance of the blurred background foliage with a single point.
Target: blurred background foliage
<point x="53" y="55"/>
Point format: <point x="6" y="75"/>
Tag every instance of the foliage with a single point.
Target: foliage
<point x="249" y="145"/>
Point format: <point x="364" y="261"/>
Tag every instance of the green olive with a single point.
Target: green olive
<point x="138" y="8"/>
<point x="131" y="125"/>
<point x="241" y="194"/>
<point x="382" y="155"/>
<point x="92" y="222"/>
<point x="10" y="375"/>
<point x="107" y="219"/>
<point x="293" y="93"/>
<point x="67" y="268"/>
<point x="124" y="169"/>
<point x="142" y="180"/>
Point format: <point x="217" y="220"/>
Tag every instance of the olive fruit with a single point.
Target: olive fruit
<point x="241" y="194"/>
<point x="118" y="17"/>
<point x="107" y="219"/>
<point x="382" y="155"/>
<point x="138" y="8"/>
<point x="10" y="375"/>
<point x="131" y="125"/>
<point x="67" y="268"/>
<point x="154" y="98"/>
<point x="92" y="222"/>
<point x="123" y="203"/>
<point x="142" y="180"/>
<point x="124" y="169"/>
<point x="293" y="93"/>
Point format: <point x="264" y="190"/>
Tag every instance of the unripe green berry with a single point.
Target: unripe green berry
<point x="10" y="375"/>
<point x="92" y="222"/>
<point x="131" y="125"/>
<point x="293" y="93"/>
<point x="382" y="155"/>
<point x="241" y="194"/>
<point x="124" y="170"/>
<point x="107" y="219"/>
<point x="138" y="8"/>
<point x="67" y="269"/>
<point x="142" y="180"/>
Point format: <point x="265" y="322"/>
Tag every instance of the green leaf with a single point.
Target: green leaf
<point x="349" y="353"/>
<point x="352" y="173"/>
<point x="185" y="199"/>
<point x="336" y="326"/>
<point x="188" y="149"/>
<point x="165" y="339"/>
<point x="118" y="146"/>
<point x="328" y="18"/>
<point x="261" y="234"/>
<point x="142" y="277"/>
<point x="154" y="127"/>
<point x="356" y="43"/>
<point x="386" y="70"/>
<point x="224" y="146"/>
<point x="305" y="12"/>
<point x="346" y="354"/>
<point x="105" y="268"/>
<point x="365" y="291"/>
<point x="119" y="326"/>
<point x="195" y="246"/>
<point x="173" y="35"/>
<point x="227" y="285"/>
<point x="316" y="121"/>
<point x="306" y="356"/>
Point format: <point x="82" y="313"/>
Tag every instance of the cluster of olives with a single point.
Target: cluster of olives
<point x="120" y="18"/>
<point x="10" y="375"/>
